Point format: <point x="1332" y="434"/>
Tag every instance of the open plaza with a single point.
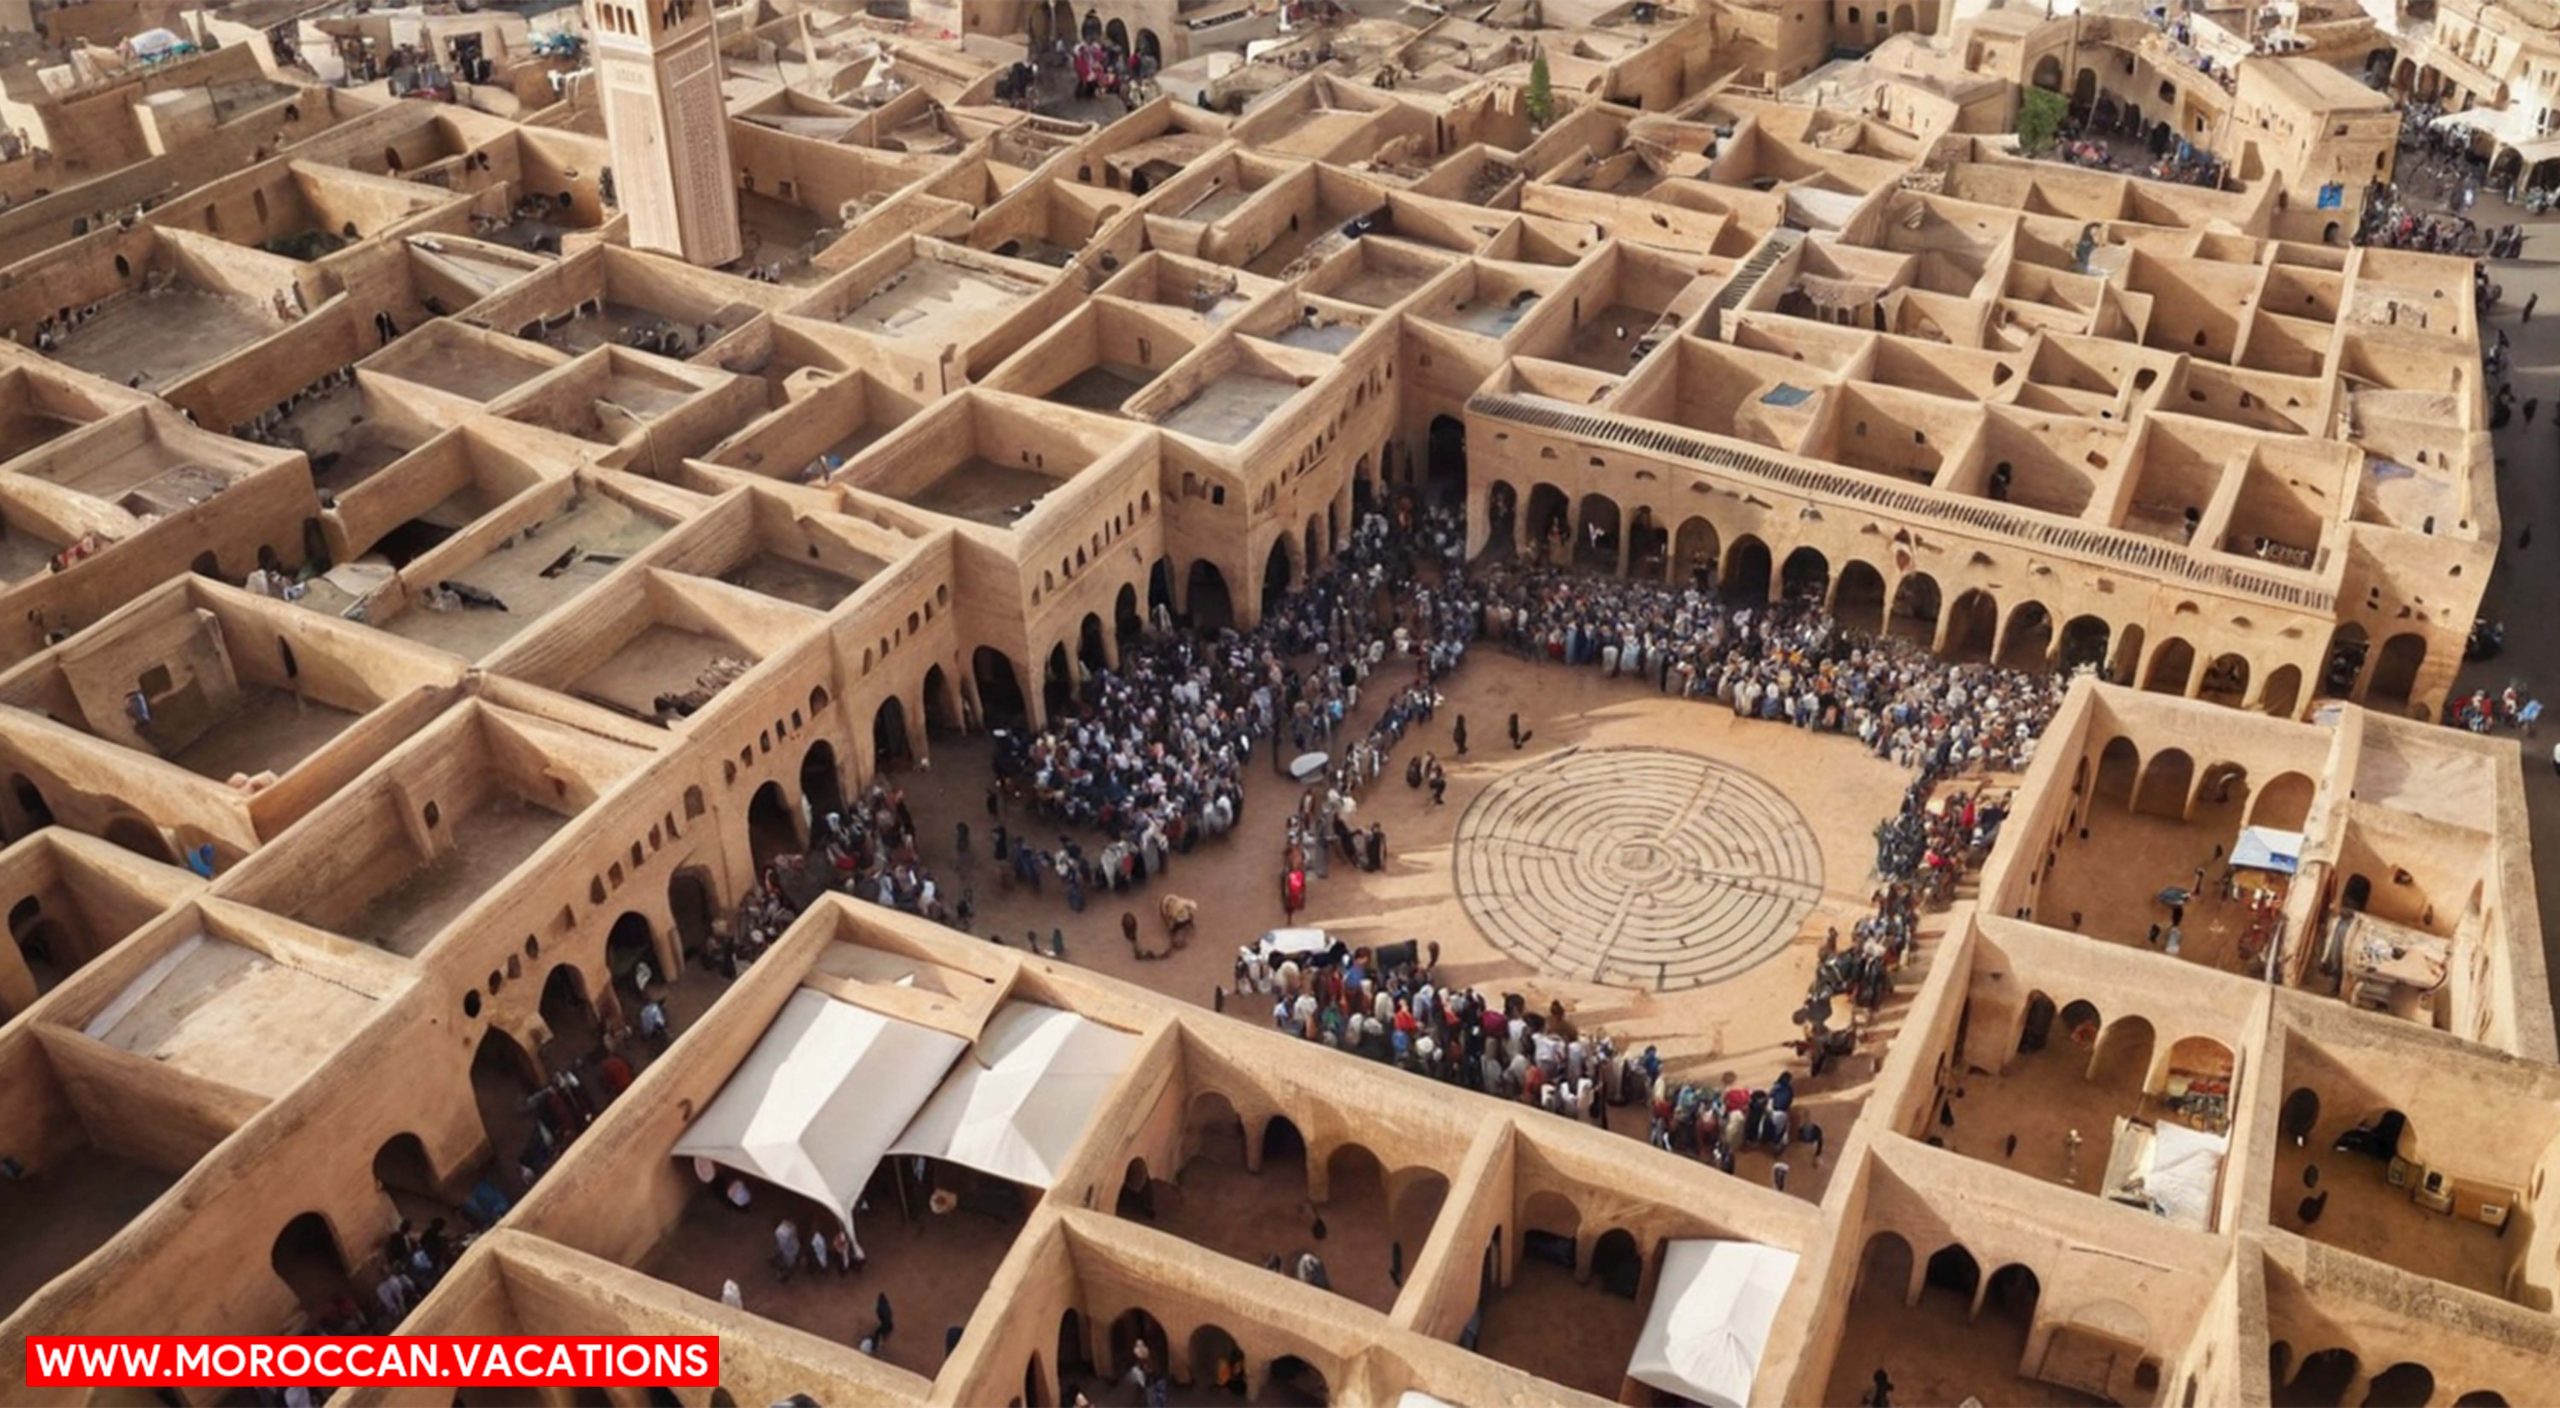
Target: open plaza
<point x="1755" y="702"/>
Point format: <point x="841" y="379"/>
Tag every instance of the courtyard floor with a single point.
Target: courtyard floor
<point x="1828" y="794"/>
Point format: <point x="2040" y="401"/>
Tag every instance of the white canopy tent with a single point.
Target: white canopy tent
<point x="1710" y="1320"/>
<point x="2267" y="848"/>
<point x="1018" y="1106"/>
<point x="816" y="1104"/>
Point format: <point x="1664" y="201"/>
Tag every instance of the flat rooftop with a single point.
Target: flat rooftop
<point x="155" y="339"/>
<point x="982" y="491"/>
<point x="528" y="575"/>
<point x="230" y="1014"/>
<point x="933" y="298"/>
<point x="1230" y="408"/>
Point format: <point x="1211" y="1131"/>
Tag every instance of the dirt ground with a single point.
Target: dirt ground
<point x="1739" y="1025"/>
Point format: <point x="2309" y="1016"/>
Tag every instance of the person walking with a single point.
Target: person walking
<point x="786" y="1247"/>
<point x="1458" y="735"/>
<point x="888" y="1322"/>
<point x="2530" y="300"/>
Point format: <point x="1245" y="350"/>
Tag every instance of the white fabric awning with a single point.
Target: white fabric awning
<point x="2266" y="848"/>
<point x="1710" y="1319"/>
<point x="815" y="1105"/>
<point x="1016" y="1108"/>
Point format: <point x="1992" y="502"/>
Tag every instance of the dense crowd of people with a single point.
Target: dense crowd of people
<point x="867" y="851"/>
<point x="1788" y="664"/>
<point x="1152" y="754"/>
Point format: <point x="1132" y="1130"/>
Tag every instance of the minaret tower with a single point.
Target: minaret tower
<point x="658" y="70"/>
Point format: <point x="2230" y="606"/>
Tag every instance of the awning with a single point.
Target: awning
<point x="817" y="1103"/>
<point x="2265" y="848"/>
<point x="1016" y="1108"/>
<point x="1710" y="1319"/>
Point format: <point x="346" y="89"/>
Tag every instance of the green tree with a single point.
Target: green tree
<point x="1542" y="92"/>
<point x="2039" y="118"/>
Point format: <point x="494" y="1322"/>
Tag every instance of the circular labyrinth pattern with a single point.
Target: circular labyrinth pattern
<point x="1640" y="867"/>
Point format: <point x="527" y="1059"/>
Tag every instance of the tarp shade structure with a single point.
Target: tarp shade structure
<point x="2265" y="848"/>
<point x="1710" y="1319"/>
<point x="1016" y="1108"/>
<point x="817" y="1103"/>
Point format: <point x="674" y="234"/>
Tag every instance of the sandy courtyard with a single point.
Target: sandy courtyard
<point x="1831" y="795"/>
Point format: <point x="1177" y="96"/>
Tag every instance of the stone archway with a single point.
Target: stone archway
<point x="1857" y="601"/>
<point x="1694" y="552"/>
<point x="2027" y="643"/>
<point x="1972" y="627"/>
<point x="1914" y="614"/>
<point x="1806" y="576"/>
<point x="1000" y="698"/>
<point x="1747" y="568"/>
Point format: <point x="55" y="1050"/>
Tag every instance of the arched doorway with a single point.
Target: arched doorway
<point x="2171" y="666"/>
<point x="29" y="811"/>
<point x="2282" y="695"/>
<point x="2011" y="1296"/>
<point x="1694" y="552"/>
<point x="771" y="831"/>
<point x="821" y="787"/>
<point x="628" y="945"/>
<point x="2395" y="672"/>
<point x="1548" y="523"/>
<point x="1884" y="1270"/>
<point x="1857" y="603"/>
<point x="2284" y="803"/>
<point x="2084" y="643"/>
<point x="1128" y="627"/>
<point x="1212" y="608"/>
<point x="570" y="1015"/>
<point x="1648" y="544"/>
<point x="1806" y="577"/>
<point x="2084" y="91"/>
<point x="1075" y="1352"/>
<point x="1746" y="570"/>
<point x="1116" y="34"/>
<point x="692" y="902"/>
<point x="2323" y="1378"/>
<point x="2035" y="1032"/>
<point x="2344" y="662"/>
<point x="1215" y="1358"/>
<point x="1150" y="51"/>
<point x="1092" y="650"/>
<point x="941" y="708"/>
<point x="1953" y="1269"/>
<point x="1275" y="575"/>
<point x="1133" y="1328"/>
<point x="2048" y="74"/>
<point x="1972" y="626"/>
<point x="1058" y="684"/>
<point x="307" y="1258"/>
<point x="2119" y="767"/>
<point x="1291" y="1379"/>
<point x="890" y="748"/>
<point x="1595" y="540"/>
<point x="401" y="1166"/>
<point x="2122" y="1059"/>
<point x="1914" y="615"/>
<point x="1501" y="520"/>
<point x="1617" y="1265"/>
<point x="2226" y="681"/>
<point x="2029" y="641"/>
<point x="1000" y="701"/>
<point x="2166" y="781"/>
<point x="140" y="837"/>
<point x="1445" y="465"/>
